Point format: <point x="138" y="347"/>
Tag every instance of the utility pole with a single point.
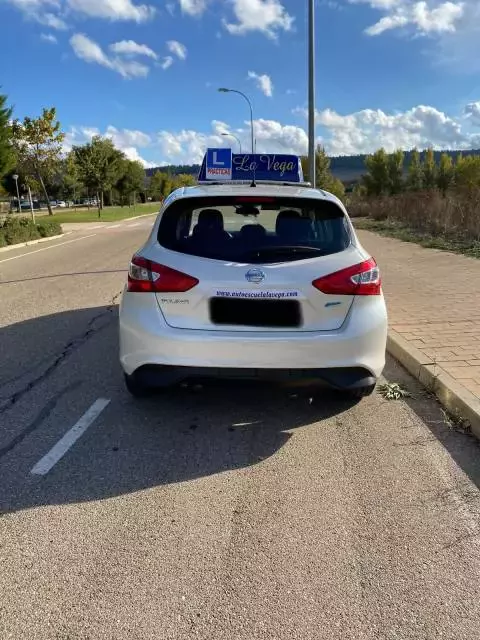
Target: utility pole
<point x="311" y="92"/>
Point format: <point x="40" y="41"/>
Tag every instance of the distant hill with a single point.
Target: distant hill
<point x="345" y="168"/>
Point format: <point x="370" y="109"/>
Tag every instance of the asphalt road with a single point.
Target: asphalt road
<point x="236" y="513"/>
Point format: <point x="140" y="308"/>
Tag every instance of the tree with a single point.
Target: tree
<point x="377" y="181"/>
<point x="467" y="172"/>
<point x="7" y="157"/>
<point x="156" y="186"/>
<point x="429" y="168"/>
<point x="184" y="180"/>
<point x="38" y="144"/>
<point x="99" y="166"/>
<point x="132" y="180"/>
<point x="72" y="185"/>
<point x="415" y="172"/>
<point x="395" y="171"/>
<point x="323" y="176"/>
<point x="445" y="174"/>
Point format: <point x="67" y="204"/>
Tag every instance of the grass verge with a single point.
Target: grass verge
<point x="394" y="229"/>
<point x="109" y="214"/>
<point x="18" y="230"/>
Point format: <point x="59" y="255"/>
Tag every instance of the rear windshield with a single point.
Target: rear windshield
<point x="254" y="229"/>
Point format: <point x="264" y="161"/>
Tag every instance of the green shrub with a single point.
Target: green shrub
<point x="14" y="230"/>
<point x="47" y="228"/>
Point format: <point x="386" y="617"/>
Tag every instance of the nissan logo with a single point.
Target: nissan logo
<point x="255" y="275"/>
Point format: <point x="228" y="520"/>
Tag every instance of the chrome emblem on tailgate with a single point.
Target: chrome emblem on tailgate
<point x="255" y="275"/>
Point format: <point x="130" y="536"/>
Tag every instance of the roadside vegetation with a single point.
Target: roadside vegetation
<point x="434" y="203"/>
<point x="109" y="214"/>
<point x="17" y="230"/>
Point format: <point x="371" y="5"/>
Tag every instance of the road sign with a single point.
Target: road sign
<point x="219" y="164"/>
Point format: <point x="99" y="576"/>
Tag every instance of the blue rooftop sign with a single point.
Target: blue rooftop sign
<point x="222" y="165"/>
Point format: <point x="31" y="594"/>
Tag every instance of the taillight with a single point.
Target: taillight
<point x="147" y="276"/>
<point x="360" y="280"/>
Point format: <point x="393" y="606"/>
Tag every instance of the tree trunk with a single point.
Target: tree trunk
<point x="99" y="205"/>
<point x="44" y="189"/>
<point x="101" y="199"/>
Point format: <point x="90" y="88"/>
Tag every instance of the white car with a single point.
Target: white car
<point x="264" y="282"/>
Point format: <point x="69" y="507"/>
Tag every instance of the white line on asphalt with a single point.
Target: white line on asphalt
<point x="57" y="452"/>
<point x="137" y="224"/>
<point x="53" y="246"/>
<point x="114" y="226"/>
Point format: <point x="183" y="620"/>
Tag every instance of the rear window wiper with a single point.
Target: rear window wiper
<point x="292" y="250"/>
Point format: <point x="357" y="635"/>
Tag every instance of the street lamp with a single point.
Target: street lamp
<point x="311" y="91"/>
<point x="15" y="177"/>
<point x="225" y="90"/>
<point x="230" y="135"/>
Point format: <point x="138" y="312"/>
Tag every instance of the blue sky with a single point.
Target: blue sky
<point x="398" y="73"/>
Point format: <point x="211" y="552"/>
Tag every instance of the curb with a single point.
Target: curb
<point x="451" y="394"/>
<point x="144" y="215"/>
<point x="32" y="242"/>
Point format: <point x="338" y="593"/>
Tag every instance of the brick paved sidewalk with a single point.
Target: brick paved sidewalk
<point x="433" y="300"/>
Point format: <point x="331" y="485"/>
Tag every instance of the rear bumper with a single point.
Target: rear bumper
<point x="339" y="378"/>
<point x="146" y="339"/>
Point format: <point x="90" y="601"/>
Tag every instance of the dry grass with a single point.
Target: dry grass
<point x="456" y="216"/>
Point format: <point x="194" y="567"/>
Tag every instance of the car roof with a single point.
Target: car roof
<point x="261" y="189"/>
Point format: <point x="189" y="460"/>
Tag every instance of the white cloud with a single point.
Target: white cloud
<point x="166" y="63"/>
<point x="367" y="130"/>
<point x="170" y="7"/>
<point x="113" y="10"/>
<point x="132" y="48"/>
<point x="51" y="20"/>
<point x="188" y="146"/>
<point x="127" y="140"/>
<point x="472" y="111"/>
<point x="177" y="48"/>
<point x="359" y="132"/>
<point x="193" y="7"/>
<point x="424" y="17"/>
<point x="264" y="83"/>
<point x="267" y="16"/>
<point x="48" y="37"/>
<point x="91" y="52"/>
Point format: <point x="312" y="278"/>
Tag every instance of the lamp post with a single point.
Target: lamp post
<point x="225" y="90"/>
<point x="32" y="213"/>
<point x="311" y="91"/>
<point x="15" y="177"/>
<point x="231" y="135"/>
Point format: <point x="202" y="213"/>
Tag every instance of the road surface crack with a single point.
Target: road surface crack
<point x="72" y="346"/>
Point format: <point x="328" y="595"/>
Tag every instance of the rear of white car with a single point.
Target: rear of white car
<point x="266" y="282"/>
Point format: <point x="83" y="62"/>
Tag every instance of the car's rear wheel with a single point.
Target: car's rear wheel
<point x="362" y="392"/>
<point x="137" y="388"/>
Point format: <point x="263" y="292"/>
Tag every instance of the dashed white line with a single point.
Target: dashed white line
<point x="114" y="226"/>
<point x="53" y="246"/>
<point x="57" y="452"/>
<point x="137" y="224"/>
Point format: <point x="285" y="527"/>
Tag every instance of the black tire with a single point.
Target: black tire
<point x="362" y="392"/>
<point x="136" y="388"/>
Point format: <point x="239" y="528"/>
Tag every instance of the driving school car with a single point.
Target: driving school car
<point x="252" y="276"/>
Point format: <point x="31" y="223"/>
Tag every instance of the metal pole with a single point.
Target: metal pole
<point x="224" y="90"/>
<point x="231" y="135"/>
<point x="31" y="203"/>
<point x="311" y="92"/>
<point x="15" y="177"/>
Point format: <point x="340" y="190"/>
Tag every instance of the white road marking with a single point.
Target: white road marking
<point x="53" y="246"/>
<point x="114" y="226"/>
<point x="137" y="224"/>
<point x="57" y="452"/>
